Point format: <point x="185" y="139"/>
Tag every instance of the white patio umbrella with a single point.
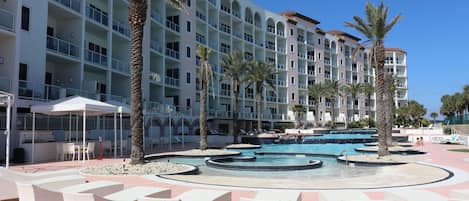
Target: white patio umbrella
<point x="76" y="105"/>
<point x="6" y="99"/>
<point x="121" y="109"/>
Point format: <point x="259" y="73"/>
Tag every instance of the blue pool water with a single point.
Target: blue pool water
<point x="340" y="136"/>
<point x="330" y="168"/>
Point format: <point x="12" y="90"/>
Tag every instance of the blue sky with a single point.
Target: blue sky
<point x="434" y="33"/>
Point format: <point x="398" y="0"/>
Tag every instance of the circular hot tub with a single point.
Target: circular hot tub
<point x="249" y="163"/>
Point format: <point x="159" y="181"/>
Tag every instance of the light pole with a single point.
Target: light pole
<point x="8" y="102"/>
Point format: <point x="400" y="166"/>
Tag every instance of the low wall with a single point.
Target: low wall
<point x="421" y="131"/>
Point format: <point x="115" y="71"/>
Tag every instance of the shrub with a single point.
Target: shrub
<point x="355" y="124"/>
<point x="447" y="131"/>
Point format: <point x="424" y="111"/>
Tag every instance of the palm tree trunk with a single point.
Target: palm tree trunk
<point x="137" y="18"/>
<point x="203" y="113"/>
<point x="235" y="117"/>
<point x="316" y="114"/>
<point x="333" y="112"/>
<point x="353" y="107"/>
<point x="369" y="110"/>
<point x="259" y="106"/>
<point x="380" y="103"/>
<point x="389" y="101"/>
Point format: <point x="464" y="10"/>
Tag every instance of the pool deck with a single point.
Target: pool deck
<point x="437" y="154"/>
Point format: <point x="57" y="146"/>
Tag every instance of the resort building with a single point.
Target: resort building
<point x="51" y="49"/>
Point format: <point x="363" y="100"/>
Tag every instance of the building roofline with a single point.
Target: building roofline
<point x="345" y="34"/>
<point x="301" y="16"/>
<point x="395" y="49"/>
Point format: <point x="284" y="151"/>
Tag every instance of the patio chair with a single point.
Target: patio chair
<point x="459" y="195"/>
<point x="275" y="196"/>
<point x="59" y="151"/>
<point x="98" y="188"/>
<point x="132" y="194"/>
<point x="196" y="195"/>
<point x="69" y="149"/>
<point x="90" y="149"/>
<point x="412" y="195"/>
<point x="107" y="147"/>
<point x="342" y="196"/>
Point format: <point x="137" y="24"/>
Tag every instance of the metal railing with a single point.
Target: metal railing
<point x="271" y="29"/>
<point x="200" y="38"/>
<point x="5" y="84"/>
<point x="457" y="119"/>
<point x="200" y="15"/>
<point x="225" y="28"/>
<point x="237" y="14"/>
<point x="172" y="81"/>
<point x="213" y="2"/>
<point x="7" y="20"/>
<point x="96" y="15"/>
<point x="172" y="53"/>
<point x="212" y="22"/>
<point x="155" y="45"/>
<point x="121" y="27"/>
<point x="63" y="47"/>
<point x="281" y="66"/>
<point x="225" y="92"/>
<point x="72" y="4"/>
<point x="96" y="58"/>
<point x="123" y="67"/>
<point x="156" y="16"/>
<point x="173" y="26"/>
<point x="302" y="70"/>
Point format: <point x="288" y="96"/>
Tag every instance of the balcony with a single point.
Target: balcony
<point x="96" y="58"/>
<point x="155" y="45"/>
<point x="225" y="8"/>
<point x="7" y="20"/>
<point x="311" y="103"/>
<point x="310" y="57"/>
<point x="270" y="46"/>
<point x="281" y="83"/>
<point x="200" y="38"/>
<point x="271" y="99"/>
<point x="172" y="53"/>
<point x="259" y="43"/>
<point x="225" y="92"/>
<point x="302" y="101"/>
<point x="280" y="33"/>
<point x="5" y="84"/>
<point x="213" y="2"/>
<point x="301" y="39"/>
<point x="302" y="70"/>
<point x="281" y="66"/>
<point x="97" y="15"/>
<point x="212" y="22"/>
<point x="171" y="81"/>
<point x="155" y="15"/>
<point x="120" y="66"/>
<point x="225" y="28"/>
<point x="225" y="49"/>
<point x="237" y="34"/>
<point x="281" y="49"/>
<point x="200" y="15"/>
<point x="271" y="29"/>
<point x="282" y="99"/>
<point x="62" y="47"/>
<point x="248" y="20"/>
<point x="121" y="27"/>
<point x="171" y="25"/>
<point x="249" y="96"/>
<point x="301" y="55"/>
<point x="72" y="4"/>
<point x="310" y="42"/>
<point x="237" y="14"/>
<point x="311" y="72"/>
<point x="302" y="86"/>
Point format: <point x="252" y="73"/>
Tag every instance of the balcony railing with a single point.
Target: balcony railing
<point x="248" y="20"/>
<point x="5" y="84"/>
<point x="213" y="2"/>
<point x="123" y="67"/>
<point x="155" y="45"/>
<point x="237" y="34"/>
<point x="237" y="14"/>
<point x="173" y="26"/>
<point x="200" y="38"/>
<point x="72" y="4"/>
<point x="96" y="58"/>
<point x="121" y="27"/>
<point x="212" y="22"/>
<point x="63" y="47"/>
<point x="225" y="28"/>
<point x="310" y="57"/>
<point x="311" y="72"/>
<point x="281" y="83"/>
<point x="282" y="99"/>
<point x="271" y="29"/>
<point x="259" y="42"/>
<point x="225" y="92"/>
<point x="172" y="81"/>
<point x="281" y="66"/>
<point x="280" y="33"/>
<point x="200" y="15"/>
<point x="156" y="16"/>
<point x="302" y="70"/>
<point x="302" y="86"/>
<point x="271" y="99"/>
<point x="301" y="55"/>
<point x="225" y="8"/>
<point x="7" y="20"/>
<point x="97" y="15"/>
<point x="302" y="101"/>
<point x="172" y="53"/>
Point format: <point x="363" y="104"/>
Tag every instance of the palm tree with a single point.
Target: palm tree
<point x="375" y="29"/>
<point x="298" y="110"/>
<point x="235" y="68"/>
<point x="332" y="91"/>
<point x="368" y="89"/>
<point x="316" y="91"/>
<point x="434" y="115"/>
<point x="353" y="89"/>
<point x="259" y="74"/>
<point x="206" y="75"/>
<point x="466" y="96"/>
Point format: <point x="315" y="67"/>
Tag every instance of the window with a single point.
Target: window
<point x="293" y="96"/>
<point x="25" y="18"/>
<point x="319" y="56"/>
<point x="319" y="41"/>
<point x="291" y="48"/>
<point x="188" y="2"/>
<point x="292" y="80"/>
<point x="188" y="26"/>
<point x="291" y="32"/>
<point x="292" y="64"/>
<point x="23" y="74"/>
<point x="188" y="102"/>
<point x="188" y="78"/>
<point x="188" y="52"/>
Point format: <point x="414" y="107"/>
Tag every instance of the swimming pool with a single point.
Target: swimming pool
<point x="340" y="136"/>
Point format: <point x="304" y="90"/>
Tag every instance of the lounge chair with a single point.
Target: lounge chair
<point x="343" y="196"/>
<point x="58" y="182"/>
<point x="459" y="195"/>
<point x="413" y="195"/>
<point x="13" y="175"/>
<point x="30" y="192"/>
<point x="196" y="195"/>
<point x="98" y="188"/>
<point x="139" y="191"/>
<point x="275" y="196"/>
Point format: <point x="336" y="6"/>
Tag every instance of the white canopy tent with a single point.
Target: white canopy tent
<point x="121" y="109"/>
<point x="6" y="99"/>
<point x="74" y="105"/>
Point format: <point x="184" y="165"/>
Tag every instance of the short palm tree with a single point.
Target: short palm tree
<point x="298" y="110"/>
<point x="260" y="74"/>
<point x="235" y="68"/>
<point x="332" y="91"/>
<point x="316" y="91"/>
<point x="206" y="75"/>
<point x="375" y="28"/>
<point x="368" y="89"/>
<point x="354" y="89"/>
<point x="434" y="115"/>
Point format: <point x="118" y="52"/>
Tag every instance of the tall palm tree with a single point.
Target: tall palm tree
<point x="434" y="115"/>
<point x="205" y="77"/>
<point x="235" y="68"/>
<point x="298" y="110"/>
<point x="368" y="89"/>
<point x="332" y="91"/>
<point x="466" y="97"/>
<point x="316" y="91"/>
<point x="353" y="89"/>
<point x="375" y="29"/>
<point x="137" y="19"/>
<point x="259" y="74"/>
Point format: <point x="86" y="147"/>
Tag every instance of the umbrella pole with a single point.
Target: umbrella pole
<point x="121" y="131"/>
<point x="69" y="127"/>
<point x="34" y="135"/>
<point x="7" y="151"/>
<point x="84" y="134"/>
<point x="115" y="135"/>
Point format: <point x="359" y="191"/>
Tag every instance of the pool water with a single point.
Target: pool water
<point x="340" y="136"/>
<point x="330" y="168"/>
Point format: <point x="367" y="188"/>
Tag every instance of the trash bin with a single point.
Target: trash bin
<point x="18" y="155"/>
